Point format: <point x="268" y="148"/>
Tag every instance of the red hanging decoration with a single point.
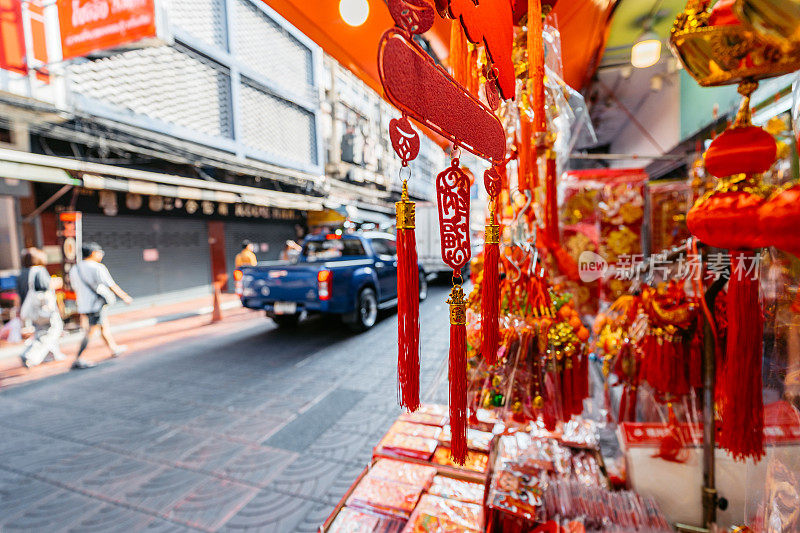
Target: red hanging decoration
<point x="490" y="289"/>
<point x="742" y="430"/>
<point x="536" y="64"/>
<point x="452" y="193"/>
<point x="405" y="142"/>
<point x="414" y="16"/>
<point x="421" y="89"/>
<point x="490" y="23"/>
<point x="728" y="218"/>
<point x="551" y="198"/>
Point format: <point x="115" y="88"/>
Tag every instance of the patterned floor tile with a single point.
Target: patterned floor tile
<point x="212" y="504"/>
<point x="59" y="512"/>
<point x="122" y="476"/>
<point x="343" y="446"/>
<point x="172" y="446"/>
<point x="342" y="483"/>
<point x="308" y="476"/>
<point x="211" y="454"/>
<point x="112" y="518"/>
<point x="255" y="428"/>
<point x="163" y="490"/>
<point x="270" y="512"/>
<point x="257" y="465"/>
<point x="19" y="492"/>
<point x="128" y="435"/>
<point x="72" y="468"/>
<point x="315" y="518"/>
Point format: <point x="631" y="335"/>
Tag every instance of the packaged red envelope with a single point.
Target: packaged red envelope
<point x="403" y="472"/>
<point x="408" y="446"/>
<point x="468" y="516"/>
<point x="426" y="523"/>
<point x="476" y="461"/>
<point x="416" y="430"/>
<point x="390" y="497"/>
<point x="476" y="439"/>
<point x="430" y="414"/>
<point x="350" y="520"/>
<point x="456" y="489"/>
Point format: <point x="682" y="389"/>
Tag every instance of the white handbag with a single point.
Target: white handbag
<point x="38" y="306"/>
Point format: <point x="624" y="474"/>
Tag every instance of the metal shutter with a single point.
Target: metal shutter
<point x="182" y="244"/>
<point x="273" y="234"/>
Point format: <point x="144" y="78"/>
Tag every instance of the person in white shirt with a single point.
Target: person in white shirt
<point x="95" y="288"/>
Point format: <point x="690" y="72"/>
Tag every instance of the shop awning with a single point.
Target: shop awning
<point x="41" y="174"/>
<point x="60" y="170"/>
<point x="583" y="23"/>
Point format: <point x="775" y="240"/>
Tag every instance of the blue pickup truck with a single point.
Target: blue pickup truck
<point x="352" y="276"/>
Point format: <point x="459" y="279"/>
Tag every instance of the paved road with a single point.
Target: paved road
<point x="257" y="430"/>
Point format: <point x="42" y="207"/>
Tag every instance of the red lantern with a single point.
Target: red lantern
<point x="779" y="218"/>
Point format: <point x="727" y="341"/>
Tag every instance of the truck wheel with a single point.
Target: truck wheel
<point x="366" y="311"/>
<point x="423" y="286"/>
<point x="287" y="321"/>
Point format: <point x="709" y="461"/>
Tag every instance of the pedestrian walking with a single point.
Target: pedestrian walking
<point x="246" y="257"/>
<point x="37" y="296"/>
<point x="95" y="289"/>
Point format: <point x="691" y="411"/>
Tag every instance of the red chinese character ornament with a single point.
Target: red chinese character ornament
<point x="452" y="194"/>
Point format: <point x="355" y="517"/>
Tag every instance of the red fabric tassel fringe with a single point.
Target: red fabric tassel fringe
<point x="490" y="302"/>
<point x="742" y="428"/>
<point x="407" y="319"/>
<point x="457" y="375"/>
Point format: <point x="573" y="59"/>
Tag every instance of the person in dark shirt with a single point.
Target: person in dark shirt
<point x="47" y="334"/>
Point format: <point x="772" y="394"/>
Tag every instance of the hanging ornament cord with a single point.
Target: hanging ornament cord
<point x="406" y="143"/>
<point x="452" y="194"/>
<point x="457" y="370"/>
<point x="490" y="289"/>
<point x="407" y="303"/>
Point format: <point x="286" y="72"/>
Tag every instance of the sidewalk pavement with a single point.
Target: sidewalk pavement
<point x="137" y="329"/>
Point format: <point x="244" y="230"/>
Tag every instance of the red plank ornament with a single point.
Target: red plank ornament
<point x="406" y="142"/>
<point x="424" y="91"/>
<point x="490" y="289"/>
<point x="452" y="194"/>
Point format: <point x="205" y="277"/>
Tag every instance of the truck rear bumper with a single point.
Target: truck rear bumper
<point x="269" y="306"/>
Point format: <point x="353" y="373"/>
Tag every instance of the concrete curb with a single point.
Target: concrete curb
<point x="71" y="338"/>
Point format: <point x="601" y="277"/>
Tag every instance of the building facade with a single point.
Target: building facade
<point x="232" y="125"/>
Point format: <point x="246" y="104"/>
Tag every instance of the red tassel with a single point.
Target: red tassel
<point x="566" y="389"/>
<point x="526" y="154"/>
<point x="459" y="54"/>
<point x="742" y="429"/>
<point x="535" y="47"/>
<point x="623" y="405"/>
<point x="551" y="199"/>
<point x="407" y="305"/>
<point x="457" y="375"/>
<point x="630" y="415"/>
<point x="490" y="301"/>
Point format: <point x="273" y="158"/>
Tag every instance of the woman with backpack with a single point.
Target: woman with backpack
<point x="38" y="306"/>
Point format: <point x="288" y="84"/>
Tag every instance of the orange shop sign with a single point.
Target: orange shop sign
<point x="91" y="25"/>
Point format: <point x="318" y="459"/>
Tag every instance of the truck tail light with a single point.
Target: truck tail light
<point x="238" y="286"/>
<point x="324" y="278"/>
